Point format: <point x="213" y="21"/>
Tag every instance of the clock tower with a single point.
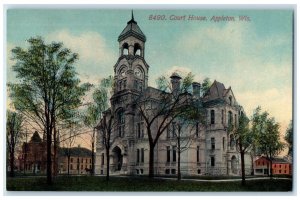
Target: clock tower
<point x="131" y="69"/>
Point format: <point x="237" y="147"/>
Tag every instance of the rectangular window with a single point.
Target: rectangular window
<point x="222" y="117"/>
<point x="235" y="120"/>
<point x="142" y="155"/>
<point x="173" y="130"/>
<point x="212" y="140"/>
<point x="174" y="153"/>
<point x="197" y="129"/>
<point x="212" y="161"/>
<point x="71" y="160"/>
<point x="138" y="128"/>
<point x="212" y="117"/>
<point x="137" y="155"/>
<point x="168" y="154"/>
<point x="71" y="167"/>
<point x="102" y="159"/>
<point x="198" y="154"/>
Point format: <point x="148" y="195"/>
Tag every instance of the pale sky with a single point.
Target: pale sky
<point x="254" y="57"/>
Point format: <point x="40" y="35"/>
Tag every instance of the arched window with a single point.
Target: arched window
<point x="125" y="49"/>
<point x="212" y="117"/>
<point x="137" y="49"/>
<point x="229" y="118"/>
<point x="121" y="123"/>
<point x="232" y="142"/>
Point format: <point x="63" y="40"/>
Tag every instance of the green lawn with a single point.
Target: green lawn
<point x="88" y="183"/>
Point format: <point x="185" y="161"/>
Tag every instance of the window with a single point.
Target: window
<point x="223" y="143"/>
<point x="212" y="117"/>
<point x="232" y="142"/>
<point x="136" y="84"/>
<point x="229" y="118"/>
<point x="198" y="154"/>
<point x="197" y="129"/>
<point x="222" y="117"/>
<point x="167" y="171"/>
<point x="124" y="84"/>
<point x="81" y="160"/>
<point x="71" y="167"/>
<point x="71" y="160"/>
<point x="137" y="49"/>
<point x="174" y="153"/>
<point x="140" y="130"/>
<point x="199" y="171"/>
<point x="142" y="155"/>
<point x="121" y="123"/>
<point x="168" y="154"/>
<point x="137" y="155"/>
<point x="212" y="142"/>
<point x="173" y="171"/>
<point x="235" y="120"/>
<point x="125" y="49"/>
<point x="173" y="129"/>
<point x="212" y="161"/>
<point x="102" y="159"/>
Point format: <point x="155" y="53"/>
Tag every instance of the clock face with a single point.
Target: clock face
<point x="138" y="73"/>
<point x="122" y="73"/>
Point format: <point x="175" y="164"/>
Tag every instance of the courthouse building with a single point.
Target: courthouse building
<point x="212" y="149"/>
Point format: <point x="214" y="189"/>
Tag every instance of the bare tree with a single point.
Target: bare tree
<point x="14" y="124"/>
<point x="160" y="107"/>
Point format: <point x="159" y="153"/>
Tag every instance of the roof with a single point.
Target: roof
<point x="36" y="137"/>
<point x="216" y="91"/>
<point x="274" y="160"/>
<point x="75" y="151"/>
<point x="132" y="29"/>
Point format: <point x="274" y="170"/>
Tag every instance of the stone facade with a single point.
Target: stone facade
<point x="211" y="150"/>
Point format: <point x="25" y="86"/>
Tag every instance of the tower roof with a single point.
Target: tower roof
<point x="132" y="29"/>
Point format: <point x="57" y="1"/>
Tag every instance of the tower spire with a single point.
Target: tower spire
<point x="132" y="17"/>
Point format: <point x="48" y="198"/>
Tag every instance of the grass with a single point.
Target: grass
<point x="141" y="184"/>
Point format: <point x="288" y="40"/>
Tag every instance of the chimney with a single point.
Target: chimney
<point x="175" y="81"/>
<point x="196" y="89"/>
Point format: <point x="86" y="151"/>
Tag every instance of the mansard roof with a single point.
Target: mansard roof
<point x="75" y="151"/>
<point x="132" y="29"/>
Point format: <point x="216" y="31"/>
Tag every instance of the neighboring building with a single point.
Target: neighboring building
<point x="212" y="150"/>
<point x="33" y="158"/>
<point x="33" y="155"/>
<point x="279" y="166"/>
<point x="77" y="159"/>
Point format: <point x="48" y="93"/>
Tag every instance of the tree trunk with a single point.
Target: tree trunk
<point x="271" y="170"/>
<point x="178" y="164"/>
<point x="12" y="160"/>
<point x="49" y="161"/>
<point x="93" y="154"/>
<point x="107" y="164"/>
<point x="69" y="163"/>
<point x="243" y="167"/>
<point x="151" y="161"/>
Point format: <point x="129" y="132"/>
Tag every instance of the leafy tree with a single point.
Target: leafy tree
<point x="289" y="137"/>
<point x="245" y="139"/>
<point x="267" y="134"/>
<point x="160" y="108"/>
<point x="48" y="89"/>
<point x="205" y="85"/>
<point x="94" y="112"/>
<point x="14" y="124"/>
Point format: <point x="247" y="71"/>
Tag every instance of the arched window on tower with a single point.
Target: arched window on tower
<point x="125" y="49"/>
<point x="137" y="49"/>
<point x="121" y="123"/>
